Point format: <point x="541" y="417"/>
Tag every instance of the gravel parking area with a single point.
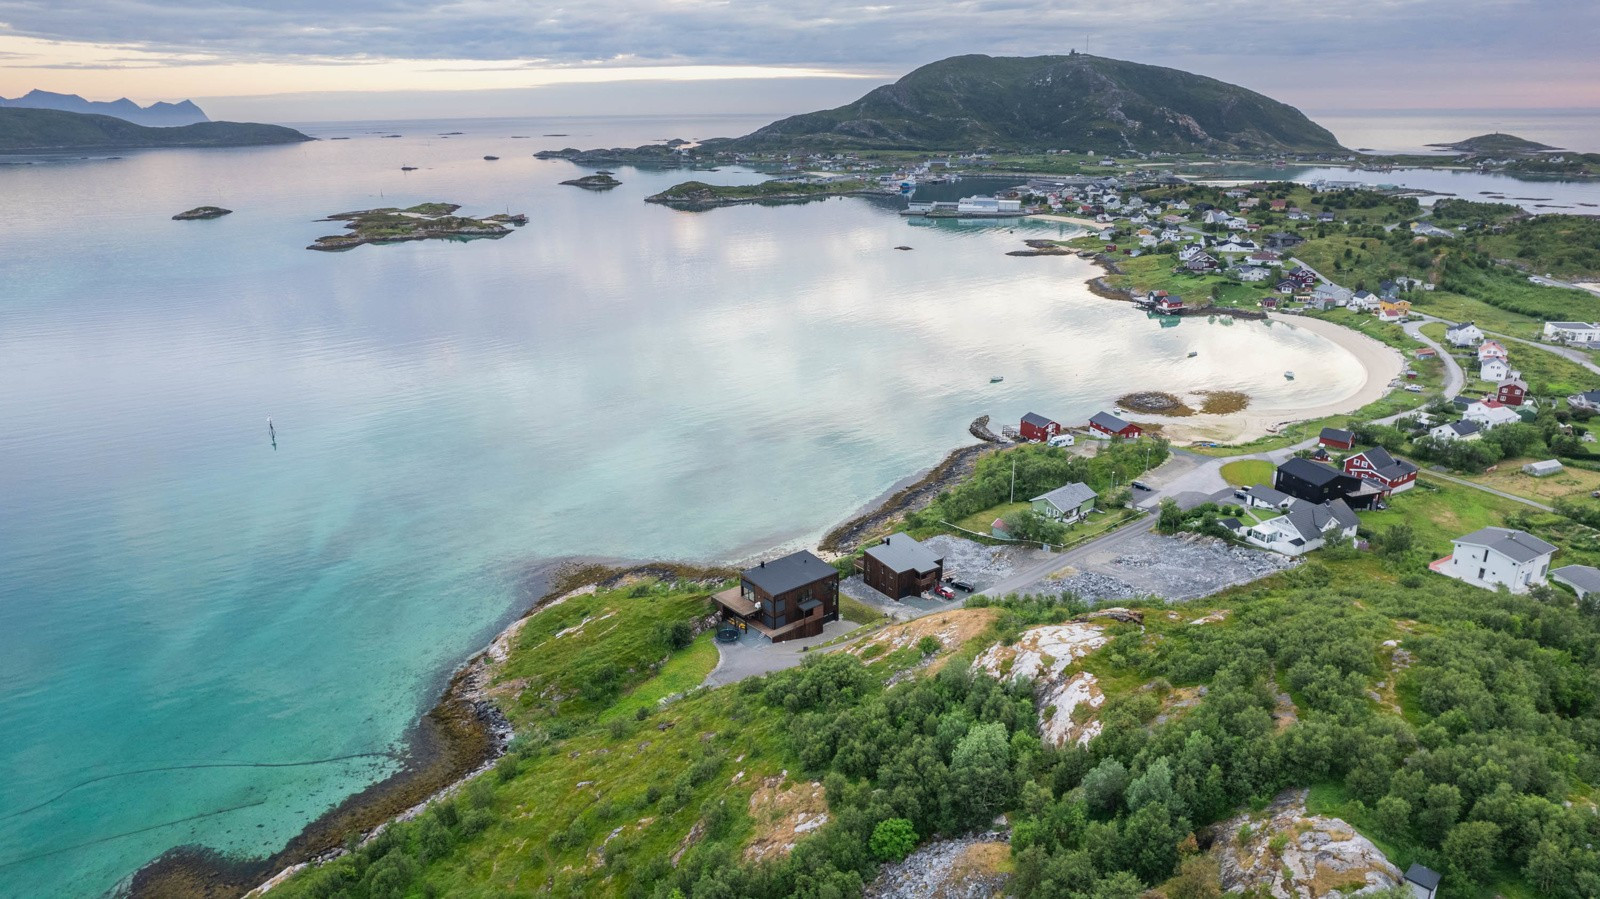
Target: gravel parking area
<point x="1174" y="568"/>
<point x="979" y="565"/>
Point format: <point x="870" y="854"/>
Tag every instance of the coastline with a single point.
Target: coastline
<point x="463" y="734"/>
<point x="1380" y="363"/>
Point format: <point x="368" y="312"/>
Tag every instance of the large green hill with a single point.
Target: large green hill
<point x="39" y="130"/>
<point x="1077" y="102"/>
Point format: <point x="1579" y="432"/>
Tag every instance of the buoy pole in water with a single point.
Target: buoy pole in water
<point x="272" y="433"/>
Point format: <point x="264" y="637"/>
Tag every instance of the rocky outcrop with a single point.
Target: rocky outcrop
<point x="966" y="868"/>
<point x="593" y="182"/>
<point x="1312" y="857"/>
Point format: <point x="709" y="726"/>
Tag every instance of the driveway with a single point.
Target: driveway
<point x="755" y="654"/>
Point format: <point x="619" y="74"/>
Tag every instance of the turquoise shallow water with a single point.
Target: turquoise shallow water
<point x="206" y="640"/>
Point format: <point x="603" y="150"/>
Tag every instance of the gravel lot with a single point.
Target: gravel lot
<point x="977" y="564"/>
<point x="1174" y="568"/>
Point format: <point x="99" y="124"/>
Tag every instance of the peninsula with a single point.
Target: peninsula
<point x="45" y="130"/>
<point x="425" y="221"/>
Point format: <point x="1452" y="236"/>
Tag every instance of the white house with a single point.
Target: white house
<point x="1589" y="399"/>
<point x="1252" y="273"/>
<point x="1457" y="430"/>
<point x="1490" y="414"/>
<point x="1424" y="882"/>
<point x="1491" y="349"/>
<point x="1332" y="295"/>
<point x="1304" y="527"/>
<point x="1496" y="370"/>
<point x="1583" y="579"/>
<point x="1577" y="333"/>
<point x="1364" y="300"/>
<point x="1492" y="557"/>
<point x="1463" y="334"/>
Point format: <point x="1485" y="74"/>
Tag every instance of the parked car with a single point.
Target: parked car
<point x="963" y="586"/>
<point x="946" y="592"/>
<point x="1141" y="485"/>
<point x="1413" y="388"/>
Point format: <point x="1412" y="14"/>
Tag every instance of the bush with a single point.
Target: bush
<point x="893" y="839"/>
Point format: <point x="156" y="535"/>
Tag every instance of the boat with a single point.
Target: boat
<point x="1193" y="353"/>
<point x="997" y="379"/>
<point x="408" y="168"/>
<point x="604" y="172"/>
<point x="491" y="158"/>
<point x="1289" y="375"/>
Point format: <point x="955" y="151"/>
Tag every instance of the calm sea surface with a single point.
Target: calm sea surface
<point x="206" y="639"/>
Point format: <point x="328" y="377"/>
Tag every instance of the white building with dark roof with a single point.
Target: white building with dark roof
<point x="1494" y="557"/>
<point x="1583" y="579"/>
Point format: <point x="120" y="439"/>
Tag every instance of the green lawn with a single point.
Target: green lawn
<point x="1437" y="515"/>
<point x="683" y="672"/>
<point x="1248" y="472"/>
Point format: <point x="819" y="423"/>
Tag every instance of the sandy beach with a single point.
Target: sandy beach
<point x="1381" y="363"/>
<point x="1067" y="220"/>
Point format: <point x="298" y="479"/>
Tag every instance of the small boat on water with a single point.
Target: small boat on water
<point x="1289" y="375"/>
<point x="603" y="172"/>
<point x="997" y="379"/>
<point x="1193" y="353"/>
<point x="408" y="168"/>
<point x="490" y="158"/>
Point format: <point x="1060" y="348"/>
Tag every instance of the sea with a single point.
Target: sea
<point x="212" y="631"/>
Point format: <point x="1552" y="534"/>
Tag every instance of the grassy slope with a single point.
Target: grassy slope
<point x="636" y="778"/>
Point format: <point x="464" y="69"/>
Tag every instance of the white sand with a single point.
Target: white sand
<point x="1382" y="364"/>
<point x="1067" y="220"/>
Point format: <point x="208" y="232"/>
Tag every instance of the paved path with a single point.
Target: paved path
<point x="1500" y="493"/>
<point x="1551" y="282"/>
<point x="1454" y="378"/>
<point x="1577" y="356"/>
<point x="755" y="654"/>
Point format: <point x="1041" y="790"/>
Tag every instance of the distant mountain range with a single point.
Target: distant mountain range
<point x="1075" y="102"/>
<point x="156" y="115"/>
<point x="38" y="130"/>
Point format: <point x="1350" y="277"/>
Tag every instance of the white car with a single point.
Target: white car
<point x="1413" y="388"/>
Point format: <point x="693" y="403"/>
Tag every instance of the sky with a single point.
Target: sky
<point x="310" y="60"/>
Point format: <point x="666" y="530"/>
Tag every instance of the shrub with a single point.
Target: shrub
<point x="893" y="839"/>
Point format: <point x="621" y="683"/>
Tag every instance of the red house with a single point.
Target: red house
<point x="1512" y="392"/>
<point x="1037" y="428"/>
<point x="1169" y="305"/>
<point x="1337" y="438"/>
<point x="1377" y="466"/>
<point x="1106" y="425"/>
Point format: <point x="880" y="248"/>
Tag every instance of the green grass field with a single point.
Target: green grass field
<point x="1248" y="472"/>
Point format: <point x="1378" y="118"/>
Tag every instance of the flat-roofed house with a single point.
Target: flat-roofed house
<point x="786" y="598"/>
<point x="900" y="567"/>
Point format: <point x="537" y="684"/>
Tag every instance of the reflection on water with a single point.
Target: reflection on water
<point x="183" y="603"/>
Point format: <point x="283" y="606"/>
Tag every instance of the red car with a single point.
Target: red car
<point x="941" y="590"/>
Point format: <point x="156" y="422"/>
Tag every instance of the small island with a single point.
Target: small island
<point x="593" y="182"/>
<point x="699" y="195"/>
<point x="425" y="221"/>
<point x="1496" y="144"/>
<point x="202" y="212"/>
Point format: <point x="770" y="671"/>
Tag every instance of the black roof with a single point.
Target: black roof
<point x="1311" y="472"/>
<point x="1035" y="419"/>
<point x="1427" y="878"/>
<point x="1338" y="434"/>
<point x="788" y="573"/>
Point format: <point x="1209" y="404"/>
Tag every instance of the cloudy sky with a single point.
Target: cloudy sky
<point x="313" y="59"/>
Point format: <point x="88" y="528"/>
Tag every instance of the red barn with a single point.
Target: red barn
<point x="1037" y="428"/>
<point x="1104" y="424"/>
<point x="1337" y="438"/>
<point x="1377" y="466"/>
<point x="1512" y="392"/>
<point x="1169" y="305"/>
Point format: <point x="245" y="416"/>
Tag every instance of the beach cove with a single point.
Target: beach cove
<point x="246" y="634"/>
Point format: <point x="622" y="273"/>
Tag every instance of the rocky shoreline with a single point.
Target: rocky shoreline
<point x="959" y="464"/>
<point x="713" y="202"/>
